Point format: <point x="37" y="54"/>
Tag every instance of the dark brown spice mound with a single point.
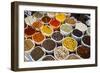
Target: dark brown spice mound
<point x="49" y="44"/>
<point x="29" y="31"/>
<point x="37" y="53"/>
<point x="46" y="19"/>
<point x="83" y="52"/>
<point x="57" y="36"/>
<point x="77" y="33"/>
<point x="86" y="40"/>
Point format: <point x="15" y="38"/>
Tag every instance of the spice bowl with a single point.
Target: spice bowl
<point x="28" y="45"/>
<point x="55" y="24"/>
<point x="29" y="31"/>
<point x="45" y="19"/>
<point x="83" y="51"/>
<point x="29" y="20"/>
<point x="37" y="53"/>
<point x="70" y="44"/>
<point x="46" y="30"/>
<point x="77" y="34"/>
<point x="86" y="40"/>
<point x="81" y="26"/>
<point x="48" y="58"/>
<point x="51" y="14"/>
<point x="37" y="15"/>
<point x="38" y="37"/>
<point x="27" y="57"/>
<point x="73" y="57"/>
<point x="71" y="21"/>
<point x="65" y="29"/>
<point x="49" y="45"/>
<point x="60" y="53"/>
<point x="37" y="25"/>
<point x="60" y="17"/>
<point x="57" y="37"/>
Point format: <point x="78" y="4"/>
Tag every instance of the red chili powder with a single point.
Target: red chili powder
<point x="54" y="23"/>
<point x="29" y="31"/>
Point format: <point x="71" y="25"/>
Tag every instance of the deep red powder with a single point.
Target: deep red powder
<point x="29" y="31"/>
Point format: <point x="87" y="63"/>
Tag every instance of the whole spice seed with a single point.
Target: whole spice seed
<point x="86" y="40"/>
<point x="37" y="53"/>
<point x="57" y="36"/>
<point x="49" y="44"/>
<point x="60" y="53"/>
<point x="83" y="52"/>
<point x="77" y="33"/>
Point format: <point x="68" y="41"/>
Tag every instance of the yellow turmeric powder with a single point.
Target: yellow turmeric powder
<point x="46" y="30"/>
<point x="69" y="43"/>
<point x="60" y="17"/>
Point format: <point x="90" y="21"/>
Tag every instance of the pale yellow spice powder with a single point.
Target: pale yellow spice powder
<point x="69" y="43"/>
<point x="46" y="29"/>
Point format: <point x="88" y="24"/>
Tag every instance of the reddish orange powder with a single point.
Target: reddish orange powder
<point x="29" y="31"/>
<point x="38" y="37"/>
<point x="54" y="23"/>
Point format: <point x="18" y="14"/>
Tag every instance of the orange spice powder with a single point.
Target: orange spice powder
<point x="38" y="37"/>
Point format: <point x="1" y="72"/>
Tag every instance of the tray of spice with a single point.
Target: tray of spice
<point x="50" y="36"/>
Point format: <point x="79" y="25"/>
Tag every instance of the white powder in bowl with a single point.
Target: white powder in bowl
<point x="81" y="26"/>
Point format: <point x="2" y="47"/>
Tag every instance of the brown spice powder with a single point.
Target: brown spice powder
<point x="28" y="44"/>
<point x="37" y="53"/>
<point x="83" y="52"/>
<point x="29" y="31"/>
<point x="70" y="20"/>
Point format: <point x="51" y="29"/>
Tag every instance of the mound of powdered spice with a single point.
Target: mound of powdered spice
<point x="37" y="53"/>
<point x="86" y="40"/>
<point x="49" y="44"/>
<point x="77" y="33"/>
<point x="28" y="44"/>
<point x="38" y="37"/>
<point x="57" y="36"/>
<point x="29" y="31"/>
<point x="83" y="52"/>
